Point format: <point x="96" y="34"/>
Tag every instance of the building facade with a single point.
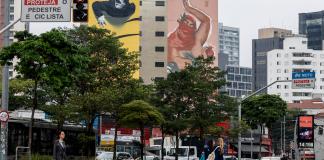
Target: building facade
<point x="294" y="57"/>
<point x="239" y="81"/>
<point x="260" y="47"/>
<point x="273" y="32"/>
<point x="153" y="41"/>
<point x="311" y="24"/>
<point x="229" y="44"/>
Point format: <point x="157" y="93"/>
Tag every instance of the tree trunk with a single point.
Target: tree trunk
<point x="162" y="143"/>
<point x="115" y="142"/>
<point x="142" y="142"/>
<point x="89" y="136"/>
<point x="260" y="151"/>
<point x="35" y="103"/>
<point x="177" y="145"/>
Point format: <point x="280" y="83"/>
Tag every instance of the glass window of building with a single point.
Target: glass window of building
<point x="241" y="86"/>
<point x="278" y="86"/>
<point x="159" y="3"/>
<point x="11" y="17"/>
<point x="237" y="70"/>
<point x="159" y="64"/>
<point x="238" y="78"/>
<point x="159" y="18"/>
<point x="232" y="92"/>
<point x="286" y="86"/>
<point x="12" y="1"/>
<point x="234" y="84"/>
<point x="159" y="49"/>
<point x="12" y="10"/>
<point x="159" y="34"/>
<point x="238" y="93"/>
<point x="278" y="71"/>
<point x="248" y="86"/>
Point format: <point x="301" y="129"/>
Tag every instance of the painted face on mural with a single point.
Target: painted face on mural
<point x="189" y="40"/>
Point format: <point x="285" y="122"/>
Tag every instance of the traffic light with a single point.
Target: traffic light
<point x="80" y="10"/>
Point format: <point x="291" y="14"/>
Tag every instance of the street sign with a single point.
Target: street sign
<point x="303" y="80"/>
<point x="4" y="116"/>
<point x="46" y="11"/>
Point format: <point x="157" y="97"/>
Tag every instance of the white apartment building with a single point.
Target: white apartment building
<point x="294" y="57"/>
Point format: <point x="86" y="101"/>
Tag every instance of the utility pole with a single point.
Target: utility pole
<point x="251" y="143"/>
<point x="281" y="138"/>
<point x="5" y="101"/>
<point x="240" y="112"/>
<point x="284" y="135"/>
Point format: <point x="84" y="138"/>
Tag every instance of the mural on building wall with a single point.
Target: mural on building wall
<point x="119" y="16"/>
<point x="192" y="26"/>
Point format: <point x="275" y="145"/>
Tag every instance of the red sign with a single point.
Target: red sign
<point x="40" y="2"/>
<point x="306" y="121"/>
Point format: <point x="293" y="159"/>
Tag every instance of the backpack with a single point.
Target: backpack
<point x="211" y="156"/>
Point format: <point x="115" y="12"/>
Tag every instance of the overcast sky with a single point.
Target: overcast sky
<point x="249" y="16"/>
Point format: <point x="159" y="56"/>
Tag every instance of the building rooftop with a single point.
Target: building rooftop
<point x="307" y="104"/>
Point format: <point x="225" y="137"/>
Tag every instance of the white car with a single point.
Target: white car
<point x="230" y="158"/>
<point x="270" y="158"/>
<point x="109" y="156"/>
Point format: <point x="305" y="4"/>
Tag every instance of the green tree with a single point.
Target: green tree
<point x="140" y="114"/>
<point x="45" y="59"/>
<point x="110" y="73"/>
<point x="262" y="110"/>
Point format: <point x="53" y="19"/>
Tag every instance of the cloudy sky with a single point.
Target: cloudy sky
<point x="249" y="16"/>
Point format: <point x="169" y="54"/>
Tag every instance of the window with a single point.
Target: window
<point x="278" y="54"/>
<point x="230" y="77"/>
<point x="286" y="71"/>
<point x="261" y="62"/>
<point x="159" y="34"/>
<point x="159" y="49"/>
<point x="12" y="10"/>
<point x="286" y="86"/>
<point x="320" y="130"/>
<point x="12" y="1"/>
<point x="140" y="3"/>
<point x="278" y="71"/>
<point x="159" y="18"/>
<point x="241" y="86"/>
<point x="303" y="62"/>
<point x="159" y="3"/>
<point x="159" y="64"/>
<point x="11" y="17"/>
<point x="278" y="78"/>
<point x="322" y="71"/>
<point x="296" y="101"/>
<point x="322" y="63"/>
<point x="278" y="86"/>
<point x="278" y="62"/>
<point x="238" y="78"/>
<point x="304" y="42"/>
<point x="291" y="47"/>
<point x="302" y="94"/>
<point x="261" y="53"/>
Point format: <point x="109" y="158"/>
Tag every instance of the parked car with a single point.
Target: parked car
<point x="149" y="156"/>
<point x="109" y="156"/>
<point x="183" y="154"/>
<point x="270" y="158"/>
<point x="230" y="158"/>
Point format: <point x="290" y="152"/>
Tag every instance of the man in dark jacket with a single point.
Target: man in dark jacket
<point x="59" y="150"/>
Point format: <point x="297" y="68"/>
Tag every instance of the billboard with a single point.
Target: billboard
<point x="46" y="11"/>
<point x="303" y="80"/>
<point x="192" y="31"/>
<point x="306" y="131"/>
<point x="119" y="16"/>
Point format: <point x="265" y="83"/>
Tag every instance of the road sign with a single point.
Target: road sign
<point x="46" y="11"/>
<point x="4" y="116"/>
<point x="303" y="80"/>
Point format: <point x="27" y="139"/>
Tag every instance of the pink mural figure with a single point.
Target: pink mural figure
<point x="189" y="38"/>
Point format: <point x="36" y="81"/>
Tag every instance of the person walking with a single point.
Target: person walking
<point x="59" y="149"/>
<point x="219" y="150"/>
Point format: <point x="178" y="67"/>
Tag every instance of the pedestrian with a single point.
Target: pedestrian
<point x="208" y="148"/>
<point x="59" y="149"/>
<point x="219" y="150"/>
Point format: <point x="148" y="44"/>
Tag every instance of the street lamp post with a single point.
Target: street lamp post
<point x="240" y="111"/>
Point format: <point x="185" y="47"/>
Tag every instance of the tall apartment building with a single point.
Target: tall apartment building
<point x="154" y="30"/>
<point x="260" y="47"/>
<point x="273" y="32"/>
<point x="229" y="44"/>
<point x="239" y="81"/>
<point x="312" y="25"/>
<point x="295" y="57"/>
<point x="10" y="10"/>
